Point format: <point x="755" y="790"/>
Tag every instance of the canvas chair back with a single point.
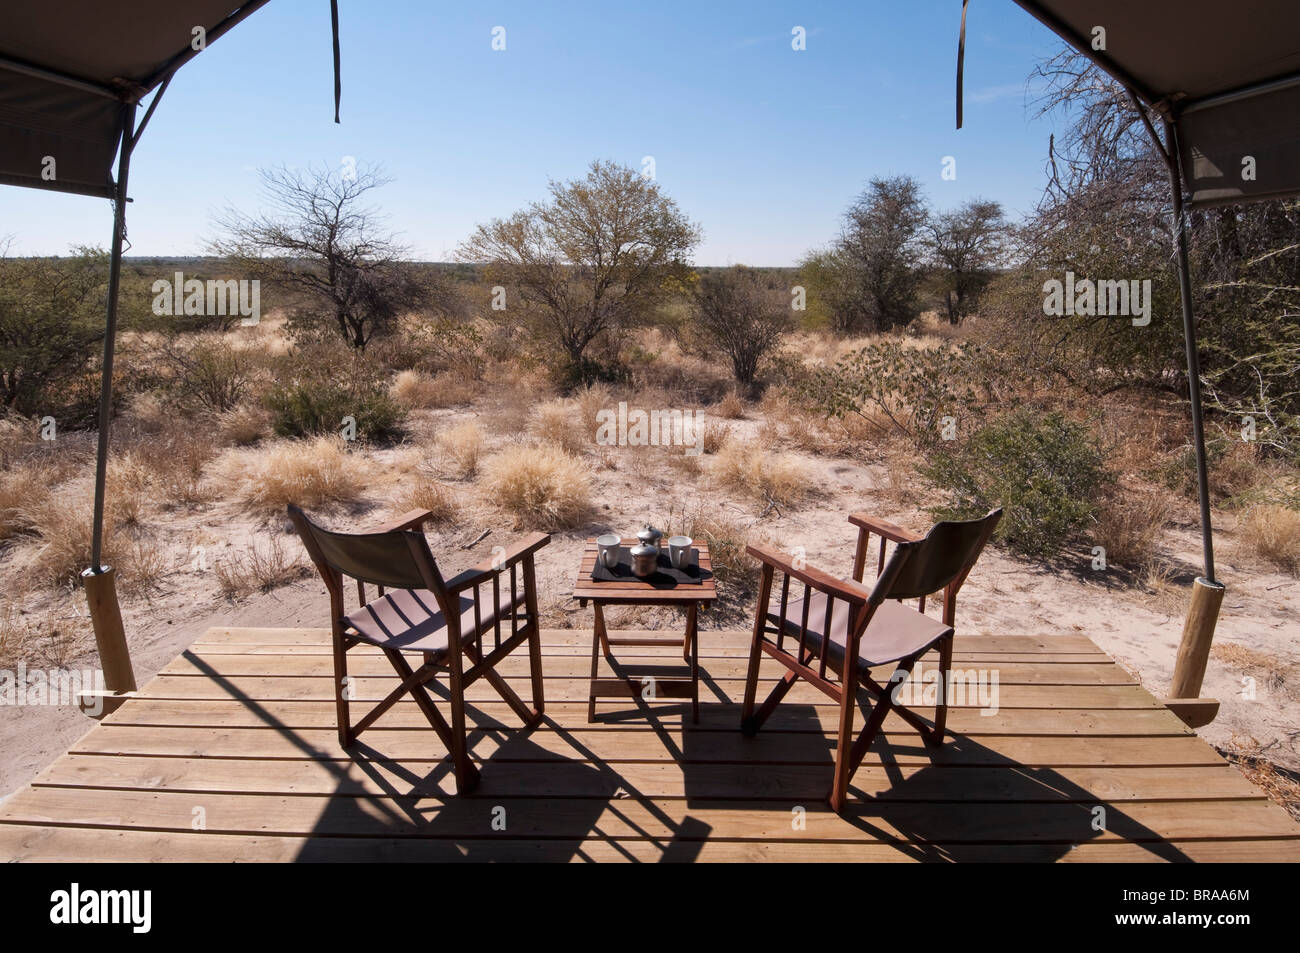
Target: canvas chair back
<point x="944" y="556"/>
<point x="395" y="560"/>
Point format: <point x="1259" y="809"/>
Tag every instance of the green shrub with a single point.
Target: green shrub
<point x="51" y="332"/>
<point x="910" y="388"/>
<point x="324" y="386"/>
<point x="1044" y="470"/>
<point x="210" y="374"/>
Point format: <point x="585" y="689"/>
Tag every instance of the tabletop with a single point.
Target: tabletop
<point x="637" y="591"/>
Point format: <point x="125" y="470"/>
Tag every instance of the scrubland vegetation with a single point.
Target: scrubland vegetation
<point x="373" y="385"/>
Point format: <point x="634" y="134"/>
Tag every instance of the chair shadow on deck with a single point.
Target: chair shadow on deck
<point x="920" y="805"/>
<point x="534" y="803"/>
<point x="959" y="801"/>
<point x="553" y="802"/>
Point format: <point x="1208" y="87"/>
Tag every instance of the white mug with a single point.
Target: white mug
<point x="607" y="549"/>
<point x="680" y="553"/>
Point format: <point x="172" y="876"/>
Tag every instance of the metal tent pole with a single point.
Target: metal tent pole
<point x="99" y="580"/>
<point x="1207" y="592"/>
<point x="1193" y="356"/>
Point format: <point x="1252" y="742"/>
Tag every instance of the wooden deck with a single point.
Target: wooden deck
<point x="230" y="754"/>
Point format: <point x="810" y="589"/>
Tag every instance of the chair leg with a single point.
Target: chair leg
<point x="534" y="637"/>
<point x="747" y="722"/>
<point x="844" y="764"/>
<point x="420" y="695"/>
<point x="527" y="715"/>
<point x="340" y="692"/>
<point x="848" y="758"/>
<point x="466" y="774"/>
<point x="755" y="720"/>
<point x="935" y="737"/>
<point x="535" y="666"/>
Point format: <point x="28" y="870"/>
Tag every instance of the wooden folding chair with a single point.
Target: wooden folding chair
<point x="844" y="628"/>
<point x="447" y="621"/>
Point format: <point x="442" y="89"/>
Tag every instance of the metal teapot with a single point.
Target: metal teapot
<point x="645" y="560"/>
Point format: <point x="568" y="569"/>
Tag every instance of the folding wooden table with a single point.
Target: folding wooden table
<point x="636" y="592"/>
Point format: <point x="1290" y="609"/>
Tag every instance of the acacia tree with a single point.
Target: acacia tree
<point x="593" y="257"/>
<point x="51" y="324"/>
<point x="878" y="252"/>
<point x="1107" y="212"/>
<point x="964" y="246"/>
<point x="741" y="316"/>
<point x="316" y="238"/>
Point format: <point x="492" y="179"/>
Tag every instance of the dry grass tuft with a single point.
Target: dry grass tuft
<point x="416" y="390"/>
<point x="22" y="487"/>
<point x="1275" y="671"/>
<point x="713" y="435"/>
<point x="41" y="638"/>
<point x="59" y="524"/>
<point x="591" y="401"/>
<point x="1280" y="784"/>
<point x="557" y="422"/>
<point x="1273" y="532"/>
<point x="18" y="437"/>
<point x="734" y="569"/>
<point x="1129" y="527"/>
<point x="310" y="473"/>
<point x="462" y="446"/>
<point x="747" y="467"/>
<point x="244" y="425"/>
<point x="423" y="492"/>
<point x="261" y="569"/>
<point x="731" y="407"/>
<point x="143" y="567"/>
<point x="177" y="464"/>
<point x="543" y="487"/>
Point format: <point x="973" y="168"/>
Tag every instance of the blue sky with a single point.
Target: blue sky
<point x="763" y="146"/>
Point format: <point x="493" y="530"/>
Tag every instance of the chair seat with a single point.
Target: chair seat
<point x="895" y="632"/>
<point x="410" y="619"/>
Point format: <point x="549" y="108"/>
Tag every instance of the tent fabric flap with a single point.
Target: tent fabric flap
<point x="67" y="69"/>
<point x="55" y="137"/>
<point x="1239" y="151"/>
<point x="1227" y="75"/>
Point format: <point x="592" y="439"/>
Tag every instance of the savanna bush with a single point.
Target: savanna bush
<point x="1045" y="470"/>
<point x="910" y="388"/>
<point x="319" y="394"/>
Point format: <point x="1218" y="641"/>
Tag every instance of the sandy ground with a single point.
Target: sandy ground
<point x="1140" y="629"/>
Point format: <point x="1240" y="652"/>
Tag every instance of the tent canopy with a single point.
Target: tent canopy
<point x="67" y="69"/>
<point x="1228" y="74"/>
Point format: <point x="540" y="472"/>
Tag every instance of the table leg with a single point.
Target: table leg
<point x="599" y="640"/>
<point x="602" y="634"/>
<point x="693" y="641"/>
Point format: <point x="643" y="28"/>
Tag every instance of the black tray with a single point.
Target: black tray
<point x="664" y="577"/>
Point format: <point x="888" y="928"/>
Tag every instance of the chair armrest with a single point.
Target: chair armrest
<point x="411" y="519"/>
<point x="890" y="531"/>
<point x="850" y="592"/>
<point x="520" y="548"/>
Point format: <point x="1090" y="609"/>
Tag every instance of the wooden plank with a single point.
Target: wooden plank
<point x="645" y="818"/>
<point x="728" y="691"/>
<point x="635" y="743"/>
<point x="233" y="635"/>
<point x="578" y="667"/>
<point x="579" y="778"/>
<point x="55" y="844"/>
<point x="243" y="727"/>
<point x="708" y="650"/>
<point x="972" y="722"/>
